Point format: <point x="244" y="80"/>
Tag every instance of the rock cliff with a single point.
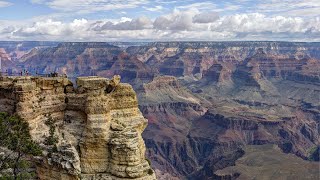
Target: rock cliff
<point x="205" y="101"/>
<point x="97" y="126"/>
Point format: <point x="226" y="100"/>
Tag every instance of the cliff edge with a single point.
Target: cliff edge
<point x="94" y="129"/>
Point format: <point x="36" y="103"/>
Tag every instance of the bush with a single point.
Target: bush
<point x="314" y="153"/>
<point x="51" y="139"/>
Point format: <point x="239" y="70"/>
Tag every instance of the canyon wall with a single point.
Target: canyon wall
<point x="98" y="126"/>
<point x="205" y="101"/>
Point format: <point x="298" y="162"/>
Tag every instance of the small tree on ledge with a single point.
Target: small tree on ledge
<point x="51" y="139"/>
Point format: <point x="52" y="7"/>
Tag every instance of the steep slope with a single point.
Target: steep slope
<point x="170" y="110"/>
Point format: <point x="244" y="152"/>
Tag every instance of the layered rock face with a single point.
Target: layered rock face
<point x="206" y="101"/>
<point x="214" y="61"/>
<point x="73" y="59"/>
<point x="11" y="53"/>
<point x="170" y="108"/>
<point x="255" y="93"/>
<point x="98" y="126"/>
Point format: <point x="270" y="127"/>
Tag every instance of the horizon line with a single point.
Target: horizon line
<point x="146" y="41"/>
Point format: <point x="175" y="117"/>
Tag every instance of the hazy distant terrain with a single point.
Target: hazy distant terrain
<point x="206" y="102"/>
<point x="267" y="161"/>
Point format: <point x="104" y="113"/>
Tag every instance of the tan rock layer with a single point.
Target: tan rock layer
<point x="98" y="125"/>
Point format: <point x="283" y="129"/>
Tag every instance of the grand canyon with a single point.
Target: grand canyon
<point x="215" y="110"/>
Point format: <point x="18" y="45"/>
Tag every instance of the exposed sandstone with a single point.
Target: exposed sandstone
<point x="263" y="92"/>
<point x="98" y="130"/>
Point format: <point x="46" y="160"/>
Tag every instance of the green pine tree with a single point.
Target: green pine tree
<point x="15" y="136"/>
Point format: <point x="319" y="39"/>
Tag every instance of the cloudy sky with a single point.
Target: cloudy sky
<point x="160" y="20"/>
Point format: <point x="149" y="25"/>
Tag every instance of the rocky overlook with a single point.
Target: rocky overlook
<point x="98" y="126"/>
<point x="205" y="101"/>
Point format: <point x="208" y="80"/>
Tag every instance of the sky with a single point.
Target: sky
<point x="160" y="20"/>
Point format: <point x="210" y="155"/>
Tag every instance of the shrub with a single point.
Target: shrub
<point x="51" y="139"/>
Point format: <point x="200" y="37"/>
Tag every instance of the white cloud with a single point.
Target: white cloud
<point x="89" y="6"/>
<point x="53" y="29"/>
<point x="5" y="4"/>
<point x="154" y="9"/>
<point x="206" y="17"/>
<point x="178" y="20"/>
<point x="124" y="24"/>
<point x="178" y="25"/>
<point x="165" y="1"/>
<point x="289" y="7"/>
<point x="200" y="6"/>
<point x="260" y="23"/>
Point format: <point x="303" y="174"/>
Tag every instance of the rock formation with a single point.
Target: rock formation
<point x="205" y="101"/>
<point x="98" y="126"/>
